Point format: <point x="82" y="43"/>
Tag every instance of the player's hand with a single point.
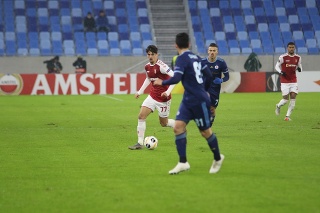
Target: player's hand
<point x="282" y="73"/>
<point x="158" y="82"/>
<point x="217" y="80"/>
<point x="136" y="95"/>
<point x="164" y="95"/>
<point x="299" y="69"/>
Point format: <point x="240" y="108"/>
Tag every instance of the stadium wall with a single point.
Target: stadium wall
<point x="129" y="83"/>
<point x="129" y="64"/>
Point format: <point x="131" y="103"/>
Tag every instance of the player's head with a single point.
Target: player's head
<point x="291" y="46"/>
<point x="182" y="40"/>
<point x="213" y="51"/>
<point x="152" y="53"/>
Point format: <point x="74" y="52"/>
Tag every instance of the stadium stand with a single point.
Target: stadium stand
<point x="264" y="27"/>
<point x="52" y="27"/>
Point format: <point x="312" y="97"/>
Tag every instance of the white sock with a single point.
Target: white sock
<point x="141" y="129"/>
<point x="292" y="104"/>
<point x="171" y="123"/>
<point x="282" y="102"/>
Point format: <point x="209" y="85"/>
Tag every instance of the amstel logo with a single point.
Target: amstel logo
<point x="10" y="84"/>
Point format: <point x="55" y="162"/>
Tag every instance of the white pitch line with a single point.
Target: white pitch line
<point x="117" y="99"/>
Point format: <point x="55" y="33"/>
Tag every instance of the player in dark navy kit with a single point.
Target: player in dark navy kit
<point x="195" y="104"/>
<point x="217" y="67"/>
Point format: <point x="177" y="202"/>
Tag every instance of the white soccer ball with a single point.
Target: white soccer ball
<point x="151" y="142"/>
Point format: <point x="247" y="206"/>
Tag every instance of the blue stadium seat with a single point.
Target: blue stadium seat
<point x="302" y="50"/>
<point x="251" y="27"/>
<point x="34" y="52"/>
<point x="113" y="36"/>
<point x="101" y="36"/>
<point x="297" y="35"/>
<point x="229" y="27"/>
<point x="230" y="36"/>
<point x="146" y="43"/>
<point x="19" y="4"/>
<point x="244" y="43"/>
<point x="249" y="19"/>
<point x="268" y="49"/>
<point x="242" y="35"/>
<point x="64" y="4"/>
<point x="263" y="27"/>
<point x="214" y="12"/>
<point x="57" y="51"/>
<point x="102" y="44"/>
<point x="233" y="43"/>
<point x="90" y="36"/>
<point x="113" y="44"/>
<point x="103" y="52"/>
<point x="246" y="4"/>
<point x="235" y="50"/>
<point x="108" y="5"/>
<point x="135" y="36"/>
<point x="68" y="44"/>
<point x="261" y="19"/>
<point x="255" y="43"/>
<point x="300" y="43"/>
<point x="92" y="51"/>
<point x="92" y="44"/>
<point x="220" y="35"/>
<point x="45" y="44"/>
<point x="57" y="44"/>
<point x="81" y="50"/>
<point x="311" y="43"/>
<point x="309" y="34"/>
<point x="224" y="4"/>
<point x="44" y="36"/>
<point x="313" y="50"/>
<point x="137" y="51"/>
<point x="69" y="51"/>
<point x="22" y="51"/>
<point x="115" y="52"/>
<point x="285" y="27"/>
<point x="246" y="50"/>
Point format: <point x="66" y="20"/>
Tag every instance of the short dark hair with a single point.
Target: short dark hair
<point x="152" y="48"/>
<point x="213" y="45"/>
<point x="291" y="43"/>
<point x="182" y="40"/>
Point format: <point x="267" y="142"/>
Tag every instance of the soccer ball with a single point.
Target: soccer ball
<point x="151" y="142"/>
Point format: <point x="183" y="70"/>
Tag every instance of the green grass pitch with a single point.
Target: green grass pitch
<point x="70" y="154"/>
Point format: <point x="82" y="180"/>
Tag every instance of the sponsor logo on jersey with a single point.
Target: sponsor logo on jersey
<point x="10" y="84"/>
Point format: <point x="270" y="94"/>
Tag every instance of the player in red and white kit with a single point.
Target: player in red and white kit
<point x="287" y="66"/>
<point x="159" y="97"/>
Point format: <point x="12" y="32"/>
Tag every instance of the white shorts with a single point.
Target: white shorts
<point x="286" y="88"/>
<point x="162" y="107"/>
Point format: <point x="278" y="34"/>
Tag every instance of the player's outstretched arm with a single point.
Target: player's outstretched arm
<point x="143" y="87"/>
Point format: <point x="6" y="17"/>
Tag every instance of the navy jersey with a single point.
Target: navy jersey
<point x="195" y="104"/>
<point x="217" y="68"/>
<point x="189" y="65"/>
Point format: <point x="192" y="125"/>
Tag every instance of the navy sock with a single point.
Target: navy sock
<point x="181" y="145"/>
<point x="213" y="144"/>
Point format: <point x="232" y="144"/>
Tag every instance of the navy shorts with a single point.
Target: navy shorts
<point x="199" y="113"/>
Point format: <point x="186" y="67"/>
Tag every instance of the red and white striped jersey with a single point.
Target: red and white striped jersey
<point x="158" y="70"/>
<point x="289" y="64"/>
